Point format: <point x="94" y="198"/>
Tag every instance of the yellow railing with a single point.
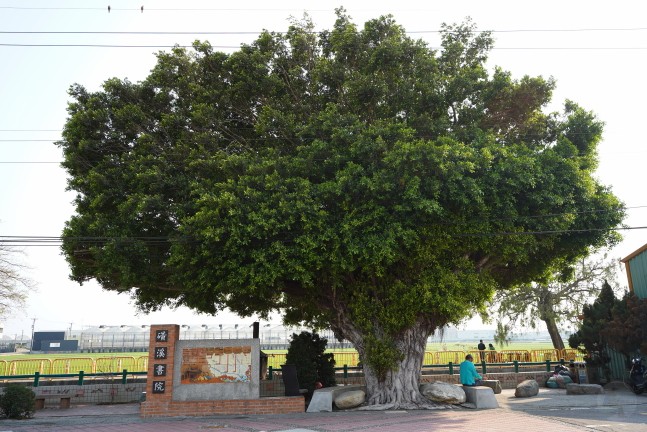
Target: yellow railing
<point x="74" y="365"/>
<point x="275" y="360"/>
<point x="117" y="364"/>
<point x="142" y="364"/>
<point x="28" y="367"/>
<point x="444" y="357"/>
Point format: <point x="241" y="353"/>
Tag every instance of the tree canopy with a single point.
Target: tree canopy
<point x="353" y="178"/>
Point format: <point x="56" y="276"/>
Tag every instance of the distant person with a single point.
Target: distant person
<point x="491" y="354"/>
<point x="469" y="376"/>
<point x="481" y="347"/>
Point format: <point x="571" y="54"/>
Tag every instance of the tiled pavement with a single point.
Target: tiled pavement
<point x="118" y="418"/>
<point x="396" y="421"/>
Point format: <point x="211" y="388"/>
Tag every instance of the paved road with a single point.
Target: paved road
<point x="552" y="410"/>
<point x="617" y="410"/>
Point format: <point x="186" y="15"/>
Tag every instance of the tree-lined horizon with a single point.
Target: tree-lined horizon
<point x="354" y="179"/>
<point x="556" y="301"/>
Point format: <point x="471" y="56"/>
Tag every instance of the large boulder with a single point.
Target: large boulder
<point x="527" y="388"/>
<point x="350" y="399"/>
<point x="582" y="389"/>
<point x="443" y="392"/>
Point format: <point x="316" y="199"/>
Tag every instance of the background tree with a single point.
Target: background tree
<point x="14" y="285"/>
<point x="307" y="351"/>
<point x="555" y="302"/>
<point x="627" y="330"/>
<point x="589" y="338"/>
<point x="354" y="179"/>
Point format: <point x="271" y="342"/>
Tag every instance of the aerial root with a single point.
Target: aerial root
<point x="426" y="405"/>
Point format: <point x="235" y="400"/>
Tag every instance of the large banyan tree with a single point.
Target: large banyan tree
<point x="355" y="179"/>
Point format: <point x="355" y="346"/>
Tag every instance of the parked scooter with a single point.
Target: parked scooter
<point x="637" y="376"/>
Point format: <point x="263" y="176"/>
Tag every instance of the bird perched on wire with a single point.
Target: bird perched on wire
<point x="142" y="8"/>
<point x="108" y="8"/>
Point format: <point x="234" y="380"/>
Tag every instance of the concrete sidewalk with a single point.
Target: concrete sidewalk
<point x="547" y="411"/>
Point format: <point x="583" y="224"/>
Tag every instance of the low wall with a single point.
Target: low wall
<point x="92" y="393"/>
<point x="508" y="380"/>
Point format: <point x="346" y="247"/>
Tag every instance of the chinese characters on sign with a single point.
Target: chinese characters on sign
<point x="160" y="352"/>
<point x="159" y="386"/>
<point x="161" y="335"/>
<point x="159" y="370"/>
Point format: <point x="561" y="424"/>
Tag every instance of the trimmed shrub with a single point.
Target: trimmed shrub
<point x="307" y="353"/>
<point x="17" y="402"/>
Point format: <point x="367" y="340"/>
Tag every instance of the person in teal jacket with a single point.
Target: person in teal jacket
<point x="469" y="376"/>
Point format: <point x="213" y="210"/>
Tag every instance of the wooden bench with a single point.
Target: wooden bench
<point x="64" y="400"/>
<point x="323" y="398"/>
<point x="480" y="396"/>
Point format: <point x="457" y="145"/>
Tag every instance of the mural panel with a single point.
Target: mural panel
<point x="215" y="365"/>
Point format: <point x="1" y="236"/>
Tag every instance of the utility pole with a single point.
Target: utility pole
<point x="31" y="347"/>
<point x="69" y="336"/>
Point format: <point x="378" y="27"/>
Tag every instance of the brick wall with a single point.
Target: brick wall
<point x="269" y="405"/>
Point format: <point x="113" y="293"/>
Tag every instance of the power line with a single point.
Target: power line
<point x="32" y="241"/>
<point x="111" y="46"/>
<point x="547" y="48"/>
<point x="140" y="32"/>
<point x="147" y="9"/>
<point x="238" y="32"/>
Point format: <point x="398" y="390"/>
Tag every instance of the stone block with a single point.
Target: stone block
<point x="582" y="389"/>
<point x="481" y="397"/>
<point x="495" y="385"/>
<point x="322" y="399"/>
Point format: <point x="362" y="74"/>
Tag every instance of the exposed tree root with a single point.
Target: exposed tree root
<point x="428" y="405"/>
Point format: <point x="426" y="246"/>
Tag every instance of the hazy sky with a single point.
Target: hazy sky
<point x="595" y="51"/>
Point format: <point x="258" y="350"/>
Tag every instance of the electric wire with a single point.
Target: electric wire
<point x="159" y="240"/>
<point x="547" y="48"/>
<point x="31" y="241"/>
<point x="250" y="32"/>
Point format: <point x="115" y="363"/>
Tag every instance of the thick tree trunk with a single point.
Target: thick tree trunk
<point x="399" y="387"/>
<point x="553" y="331"/>
<point x="546" y="309"/>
